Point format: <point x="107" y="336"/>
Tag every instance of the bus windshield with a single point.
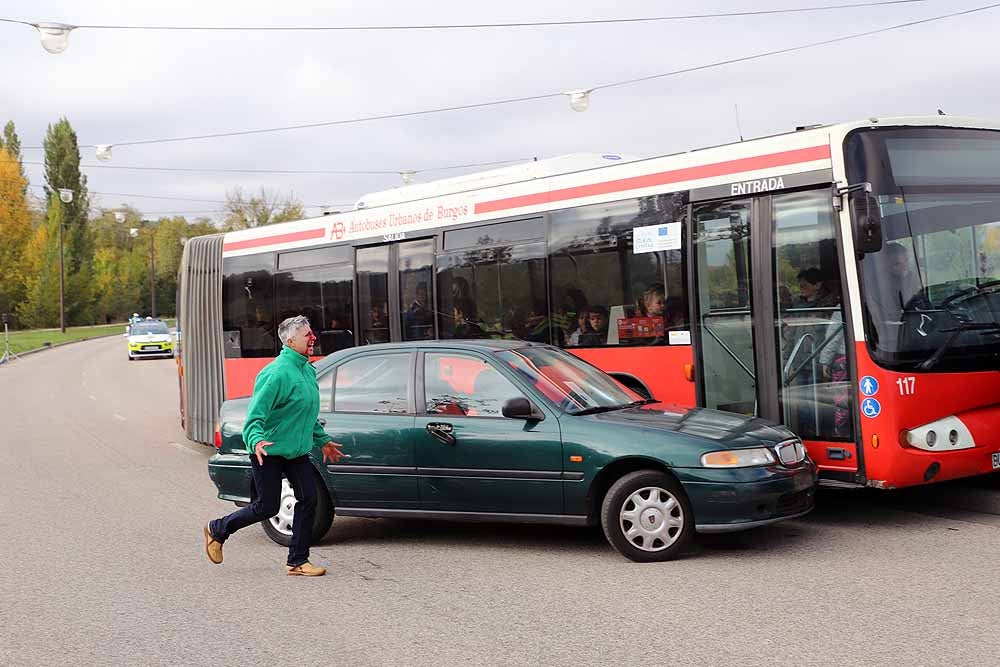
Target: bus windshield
<point x="932" y="293"/>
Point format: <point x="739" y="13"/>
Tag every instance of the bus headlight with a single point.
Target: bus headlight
<point x="738" y="458"/>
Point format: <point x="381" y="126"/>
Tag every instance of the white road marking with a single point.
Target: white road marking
<point x="119" y="417"/>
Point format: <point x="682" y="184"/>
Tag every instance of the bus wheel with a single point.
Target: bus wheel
<point x="279" y="527"/>
<point x="647" y="516"/>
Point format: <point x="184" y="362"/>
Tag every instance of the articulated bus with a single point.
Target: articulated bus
<point x="843" y="280"/>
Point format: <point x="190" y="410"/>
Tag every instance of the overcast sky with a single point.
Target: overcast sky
<point x="117" y="86"/>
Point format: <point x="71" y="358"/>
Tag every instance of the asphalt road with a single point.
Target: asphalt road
<point x="102" y="563"/>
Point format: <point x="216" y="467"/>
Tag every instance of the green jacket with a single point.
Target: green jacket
<point x="284" y="408"/>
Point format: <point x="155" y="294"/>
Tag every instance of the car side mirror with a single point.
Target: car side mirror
<point x="521" y="408"/>
<point x="867" y="222"/>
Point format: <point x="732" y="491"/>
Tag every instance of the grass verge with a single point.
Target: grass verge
<point x="32" y="339"/>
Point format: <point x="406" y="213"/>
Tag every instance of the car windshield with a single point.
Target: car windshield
<point x="931" y="297"/>
<point x="573" y="385"/>
<point x="142" y="328"/>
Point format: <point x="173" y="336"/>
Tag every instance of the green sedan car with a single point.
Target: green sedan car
<point x="512" y="431"/>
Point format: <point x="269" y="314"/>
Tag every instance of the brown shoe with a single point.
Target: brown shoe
<point x="305" y="570"/>
<point x="212" y="547"/>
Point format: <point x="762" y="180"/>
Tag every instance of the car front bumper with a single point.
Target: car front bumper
<point x="232" y="475"/>
<point x="160" y="351"/>
<point x="740" y="499"/>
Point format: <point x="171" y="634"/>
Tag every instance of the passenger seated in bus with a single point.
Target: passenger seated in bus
<point x="540" y="327"/>
<point x="378" y="331"/>
<point x="465" y="327"/>
<point x="598" y="335"/>
<point x="338" y="337"/>
<point x="582" y="327"/>
<point x="419" y="318"/>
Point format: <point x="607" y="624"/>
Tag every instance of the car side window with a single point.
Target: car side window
<point x="325" y="383"/>
<point x="378" y="384"/>
<point x="465" y="386"/>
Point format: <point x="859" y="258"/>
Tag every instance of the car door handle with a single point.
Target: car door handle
<point x="443" y="432"/>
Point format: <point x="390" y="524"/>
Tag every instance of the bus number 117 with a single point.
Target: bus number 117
<point x="906" y="385"/>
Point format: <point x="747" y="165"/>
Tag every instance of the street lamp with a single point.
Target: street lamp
<point x="65" y="196"/>
<point x="103" y="152"/>
<point x="55" y="36"/>
<point x="579" y="100"/>
<point x="134" y="233"/>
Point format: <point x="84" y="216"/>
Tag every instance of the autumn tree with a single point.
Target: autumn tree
<point x="40" y="307"/>
<point x="265" y="208"/>
<point x="62" y="170"/>
<point x="15" y="230"/>
<point x="12" y="143"/>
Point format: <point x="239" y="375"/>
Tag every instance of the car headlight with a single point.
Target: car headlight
<point x="738" y="458"/>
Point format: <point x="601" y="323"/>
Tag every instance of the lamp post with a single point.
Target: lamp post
<point x="134" y="233"/>
<point x="65" y="197"/>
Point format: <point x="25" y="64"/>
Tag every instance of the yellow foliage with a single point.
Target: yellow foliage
<point x="15" y="230"/>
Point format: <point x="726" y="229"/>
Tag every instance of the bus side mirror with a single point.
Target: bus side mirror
<point x="867" y="221"/>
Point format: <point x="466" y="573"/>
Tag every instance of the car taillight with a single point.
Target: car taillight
<point x="218" y="439"/>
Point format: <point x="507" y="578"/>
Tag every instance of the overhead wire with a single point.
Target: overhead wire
<point x="333" y="172"/>
<point x="478" y="26"/>
<point x="543" y="96"/>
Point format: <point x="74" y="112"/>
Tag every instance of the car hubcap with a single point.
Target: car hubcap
<point x="651" y="519"/>
<point x="282" y="521"/>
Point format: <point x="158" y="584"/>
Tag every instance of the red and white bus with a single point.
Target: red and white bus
<point x="843" y="280"/>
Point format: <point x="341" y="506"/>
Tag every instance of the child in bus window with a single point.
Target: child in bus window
<point x="598" y="335"/>
<point x="583" y="326"/>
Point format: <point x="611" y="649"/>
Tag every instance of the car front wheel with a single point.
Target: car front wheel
<point x="279" y="527"/>
<point x="647" y="516"/>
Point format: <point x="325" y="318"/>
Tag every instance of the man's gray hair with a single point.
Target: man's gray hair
<point x="288" y="328"/>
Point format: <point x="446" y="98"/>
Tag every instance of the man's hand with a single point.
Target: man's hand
<point x="331" y="452"/>
<point x="260" y="451"/>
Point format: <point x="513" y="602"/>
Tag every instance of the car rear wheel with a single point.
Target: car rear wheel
<point x="279" y="527"/>
<point x="647" y="516"/>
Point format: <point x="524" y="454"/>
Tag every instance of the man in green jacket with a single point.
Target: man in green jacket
<point x="281" y="428"/>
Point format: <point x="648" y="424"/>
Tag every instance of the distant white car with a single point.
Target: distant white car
<point x="149" y="338"/>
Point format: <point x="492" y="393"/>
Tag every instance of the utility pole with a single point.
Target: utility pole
<point x="152" y="270"/>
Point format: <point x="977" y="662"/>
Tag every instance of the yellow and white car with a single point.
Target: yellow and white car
<point x="149" y="338"/>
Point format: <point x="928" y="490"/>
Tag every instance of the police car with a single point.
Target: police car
<point x="149" y="338"/>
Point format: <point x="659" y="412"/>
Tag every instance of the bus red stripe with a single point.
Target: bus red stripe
<point x="290" y="237"/>
<point x="662" y="178"/>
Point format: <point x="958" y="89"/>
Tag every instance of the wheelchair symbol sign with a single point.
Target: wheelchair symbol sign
<point x="870" y="408"/>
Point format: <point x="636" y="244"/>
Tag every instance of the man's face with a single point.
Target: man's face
<point x="303" y="341"/>
<point x="807" y="289"/>
<point x="421" y="295"/>
<point x="899" y="264"/>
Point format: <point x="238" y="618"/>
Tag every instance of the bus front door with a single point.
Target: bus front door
<point x="770" y="326"/>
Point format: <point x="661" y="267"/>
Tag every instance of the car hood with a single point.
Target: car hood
<point x="714" y="428"/>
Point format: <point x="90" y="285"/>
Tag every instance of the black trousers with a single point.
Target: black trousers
<point x="267" y="481"/>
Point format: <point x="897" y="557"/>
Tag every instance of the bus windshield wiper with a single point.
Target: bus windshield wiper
<point x="984" y="327"/>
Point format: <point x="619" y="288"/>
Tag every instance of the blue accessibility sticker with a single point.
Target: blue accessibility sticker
<point x="870" y="408"/>
<point x="869" y="385"/>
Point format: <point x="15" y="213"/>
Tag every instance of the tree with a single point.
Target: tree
<point x="62" y="170"/>
<point x="40" y="307"/>
<point x="266" y="208"/>
<point x="15" y="230"/>
<point x="12" y="143"/>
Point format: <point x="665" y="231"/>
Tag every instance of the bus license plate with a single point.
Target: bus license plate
<point x="996" y="460"/>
